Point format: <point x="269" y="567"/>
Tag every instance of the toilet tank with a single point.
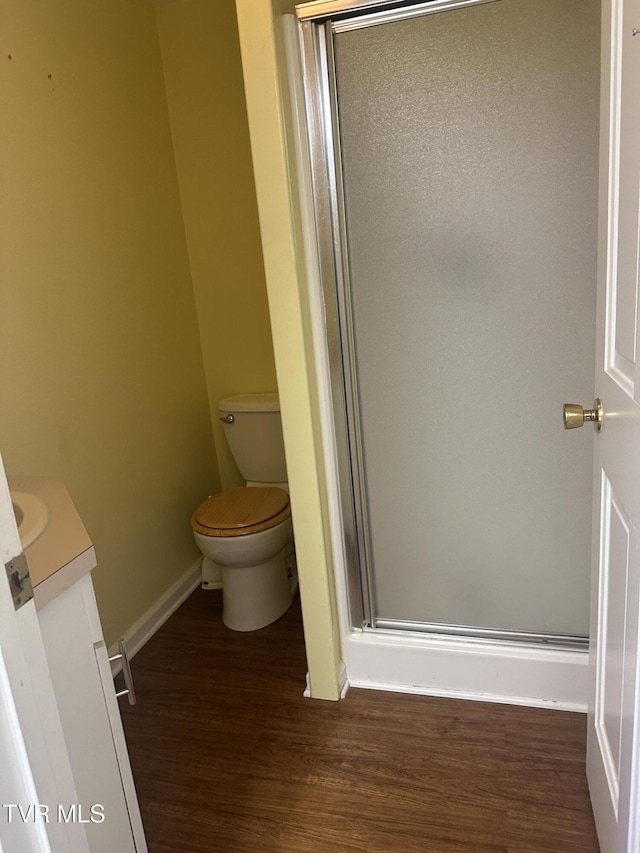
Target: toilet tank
<point x="254" y="436"/>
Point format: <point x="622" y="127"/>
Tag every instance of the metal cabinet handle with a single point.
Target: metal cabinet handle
<point x="126" y="671"/>
<point x="575" y="416"/>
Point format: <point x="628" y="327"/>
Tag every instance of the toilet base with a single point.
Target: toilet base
<point x="256" y="596"/>
<point x="211" y="575"/>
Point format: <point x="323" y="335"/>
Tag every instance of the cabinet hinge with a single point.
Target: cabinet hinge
<point x="19" y="580"/>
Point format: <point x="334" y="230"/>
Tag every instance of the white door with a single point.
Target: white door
<point x="613" y="760"/>
<point x="35" y="773"/>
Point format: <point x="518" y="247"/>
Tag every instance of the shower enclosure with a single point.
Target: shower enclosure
<point x="454" y="151"/>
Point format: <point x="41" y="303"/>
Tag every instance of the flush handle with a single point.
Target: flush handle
<point x="227" y="419"/>
<point x="575" y="416"/>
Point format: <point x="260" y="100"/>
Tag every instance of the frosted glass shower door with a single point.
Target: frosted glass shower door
<point x="469" y="152"/>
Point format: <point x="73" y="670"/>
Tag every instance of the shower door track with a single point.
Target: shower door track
<point x="318" y="22"/>
<point x="564" y="641"/>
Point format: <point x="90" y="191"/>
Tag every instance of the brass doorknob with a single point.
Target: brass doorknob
<point x="574" y="416"/>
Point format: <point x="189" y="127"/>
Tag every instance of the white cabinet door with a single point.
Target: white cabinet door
<point x="90" y="716"/>
<point x="120" y="746"/>
<point x="612" y="757"/>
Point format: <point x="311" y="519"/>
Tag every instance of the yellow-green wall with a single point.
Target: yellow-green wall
<point x="101" y="375"/>
<point x="205" y="94"/>
<point x="264" y="67"/>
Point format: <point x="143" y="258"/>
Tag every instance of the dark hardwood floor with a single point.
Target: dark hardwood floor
<point x="228" y="756"/>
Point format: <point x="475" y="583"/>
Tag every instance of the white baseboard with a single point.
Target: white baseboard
<point x="499" y="699"/>
<point x="343" y="683"/>
<point x="146" y="626"/>
<point x="481" y="671"/>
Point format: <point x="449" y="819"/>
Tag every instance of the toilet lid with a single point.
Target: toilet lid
<point x="238" y="512"/>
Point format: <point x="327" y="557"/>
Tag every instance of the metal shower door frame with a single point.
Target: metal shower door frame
<point x="319" y="22"/>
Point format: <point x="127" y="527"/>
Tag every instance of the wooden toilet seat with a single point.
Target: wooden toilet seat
<point x="241" y="511"/>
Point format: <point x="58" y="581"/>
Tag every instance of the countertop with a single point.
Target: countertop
<point x="63" y="552"/>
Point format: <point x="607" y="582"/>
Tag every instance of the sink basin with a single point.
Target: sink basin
<point x="32" y="516"/>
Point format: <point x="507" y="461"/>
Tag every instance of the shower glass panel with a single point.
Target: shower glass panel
<point x="469" y="154"/>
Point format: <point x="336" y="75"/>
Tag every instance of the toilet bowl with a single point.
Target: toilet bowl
<point x="247" y="531"/>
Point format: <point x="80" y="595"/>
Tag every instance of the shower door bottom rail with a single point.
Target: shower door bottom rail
<point x="465" y="632"/>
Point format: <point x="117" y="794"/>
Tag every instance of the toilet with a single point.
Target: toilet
<point x="247" y="530"/>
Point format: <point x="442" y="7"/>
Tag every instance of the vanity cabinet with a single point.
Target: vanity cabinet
<point x="60" y="563"/>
